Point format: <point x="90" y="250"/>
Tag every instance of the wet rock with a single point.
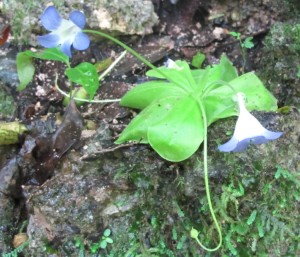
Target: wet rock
<point x="132" y="190"/>
<point x="10" y="190"/>
<point x="6" y="222"/>
<point x="75" y="204"/>
<point x="126" y="17"/>
<point x="8" y="68"/>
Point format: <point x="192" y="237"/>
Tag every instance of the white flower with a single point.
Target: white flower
<point x="64" y="33"/>
<point x="170" y="64"/>
<point x="247" y="130"/>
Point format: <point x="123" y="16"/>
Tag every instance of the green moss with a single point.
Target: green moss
<point x="279" y="65"/>
<point x="283" y="36"/>
<point x="6" y="103"/>
<point x="262" y="216"/>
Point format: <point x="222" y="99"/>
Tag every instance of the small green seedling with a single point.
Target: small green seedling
<point x="246" y="43"/>
<point x="103" y="242"/>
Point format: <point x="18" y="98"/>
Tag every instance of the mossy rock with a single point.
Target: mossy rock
<point x="280" y="64"/>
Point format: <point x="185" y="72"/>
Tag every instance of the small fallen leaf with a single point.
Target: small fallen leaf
<point x="4" y="34"/>
<point x="49" y="150"/>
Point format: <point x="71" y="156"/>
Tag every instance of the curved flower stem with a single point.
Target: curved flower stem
<point x="130" y="50"/>
<point x="87" y="100"/>
<point x="108" y="70"/>
<point x="205" y="166"/>
<point x="82" y="99"/>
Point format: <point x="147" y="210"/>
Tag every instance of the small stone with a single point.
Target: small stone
<point x="19" y="239"/>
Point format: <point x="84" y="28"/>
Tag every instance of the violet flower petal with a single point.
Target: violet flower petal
<point x="233" y="145"/>
<point x="266" y="137"/>
<point x="247" y="130"/>
<point x="51" y="19"/>
<point x="77" y="18"/>
<point x="81" y="41"/>
<point x="48" y="40"/>
<point x="64" y="33"/>
<point x="66" y="48"/>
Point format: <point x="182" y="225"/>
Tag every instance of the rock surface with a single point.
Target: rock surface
<point x="149" y="204"/>
<point x="118" y="16"/>
<point x="110" y="189"/>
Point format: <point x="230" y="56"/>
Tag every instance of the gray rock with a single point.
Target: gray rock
<point x="119" y="16"/>
<point x="9" y="176"/>
<point x="279" y="66"/>
<point x="126" y="188"/>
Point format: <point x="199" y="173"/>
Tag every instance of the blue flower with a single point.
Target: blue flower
<point x="247" y="130"/>
<point x="64" y="33"/>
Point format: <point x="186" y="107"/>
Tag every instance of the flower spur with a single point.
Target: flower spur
<point x="64" y="33"/>
<point x="247" y="130"/>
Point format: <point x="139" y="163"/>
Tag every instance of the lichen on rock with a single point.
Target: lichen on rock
<point x="128" y="17"/>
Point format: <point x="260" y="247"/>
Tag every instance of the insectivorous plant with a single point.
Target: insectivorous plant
<point x="177" y="106"/>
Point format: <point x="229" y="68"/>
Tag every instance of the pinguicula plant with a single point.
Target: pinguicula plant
<point x="177" y="105"/>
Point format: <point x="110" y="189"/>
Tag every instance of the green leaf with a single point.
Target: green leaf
<point x="241" y="228"/>
<point x="85" y="74"/>
<point x="171" y="120"/>
<point x="181" y="76"/>
<point x="181" y="242"/>
<point x="51" y="54"/>
<point x="174" y="234"/>
<point x="179" y="134"/>
<point x="252" y="217"/>
<point x="143" y="95"/>
<point x="260" y="228"/>
<point x="220" y="102"/>
<point x="25" y="70"/>
<point x="198" y="75"/>
<point x="248" y="43"/>
<point x="103" y="244"/>
<point x="107" y="232"/>
<point x="137" y="129"/>
<point x="198" y="60"/>
<point x="216" y="76"/>
<point x="172" y="125"/>
<point x="229" y="245"/>
<point x="227" y="71"/>
<point x="237" y="35"/>
<point x="109" y="240"/>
